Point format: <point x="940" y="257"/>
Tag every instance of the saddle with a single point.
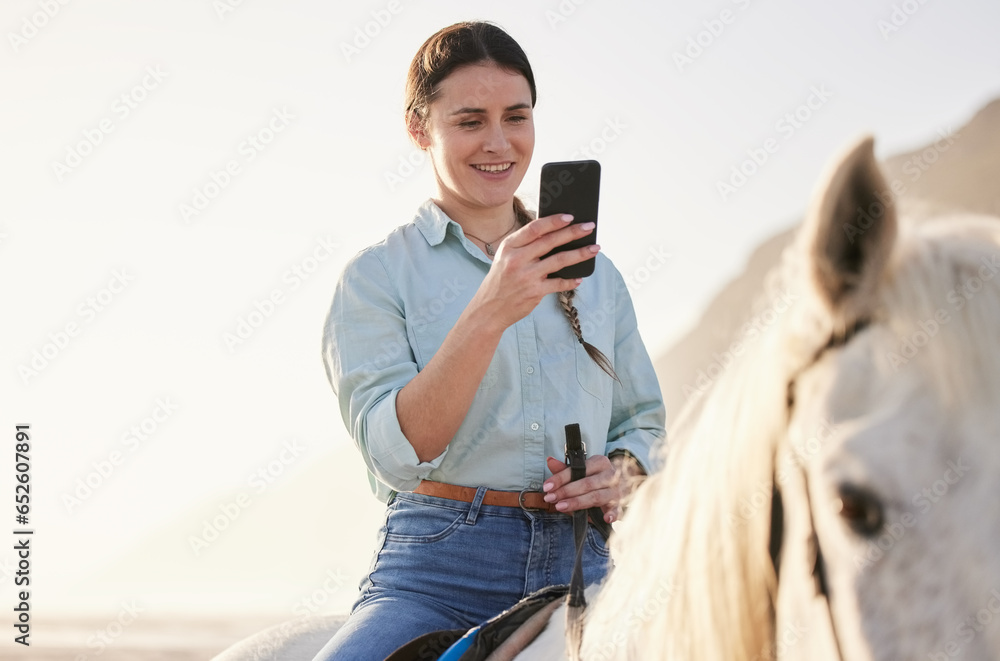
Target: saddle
<point x="505" y="634"/>
<point x="515" y="628"/>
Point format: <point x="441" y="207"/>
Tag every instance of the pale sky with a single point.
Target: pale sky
<point x="115" y="115"/>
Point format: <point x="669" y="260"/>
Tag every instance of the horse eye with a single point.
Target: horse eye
<point x="860" y="509"/>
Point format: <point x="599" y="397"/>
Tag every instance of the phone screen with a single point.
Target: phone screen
<point x="571" y="187"/>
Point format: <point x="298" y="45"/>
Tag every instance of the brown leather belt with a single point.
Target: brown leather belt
<point x="529" y="500"/>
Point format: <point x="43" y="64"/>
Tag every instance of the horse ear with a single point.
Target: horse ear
<point x="849" y="234"/>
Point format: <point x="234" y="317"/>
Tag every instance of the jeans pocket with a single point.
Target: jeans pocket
<point x="421" y="523"/>
<point x="597" y="542"/>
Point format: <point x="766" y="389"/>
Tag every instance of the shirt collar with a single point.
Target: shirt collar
<point x="433" y="222"/>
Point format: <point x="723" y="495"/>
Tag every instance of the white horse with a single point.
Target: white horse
<point x="836" y="494"/>
<point x="872" y="405"/>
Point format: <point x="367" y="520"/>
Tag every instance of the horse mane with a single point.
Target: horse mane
<point x="693" y="575"/>
<point x="944" y="293"/>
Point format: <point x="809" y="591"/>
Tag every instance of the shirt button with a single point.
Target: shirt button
<point x="534" y="426"/>
<point x="531" y="370"/>
<point x="534" y="486"/>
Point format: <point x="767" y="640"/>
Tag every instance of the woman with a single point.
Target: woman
<point x="457" y="363"/>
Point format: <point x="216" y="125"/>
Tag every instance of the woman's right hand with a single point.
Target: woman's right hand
<point x="432" y="406"/>
<point x="518" y="279"/>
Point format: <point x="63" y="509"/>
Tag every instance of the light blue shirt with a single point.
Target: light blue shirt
<point x="392" y="308"/>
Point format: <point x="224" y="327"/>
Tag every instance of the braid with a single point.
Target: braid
<point x="566" y="301"/>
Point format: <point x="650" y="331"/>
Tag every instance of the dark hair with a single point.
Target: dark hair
<point x="456" y="46"/>
<point x="476" y="42"/>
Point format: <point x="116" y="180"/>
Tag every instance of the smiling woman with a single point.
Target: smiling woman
<point x="460" y="419"/>
<point x="482" y="144"/>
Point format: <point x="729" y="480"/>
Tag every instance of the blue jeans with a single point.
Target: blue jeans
<point x="445" y="564"/>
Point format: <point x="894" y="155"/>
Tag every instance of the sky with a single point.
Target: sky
<point x="181" y="184"/>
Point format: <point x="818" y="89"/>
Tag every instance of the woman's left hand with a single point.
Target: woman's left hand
<point x="605" y="486"/>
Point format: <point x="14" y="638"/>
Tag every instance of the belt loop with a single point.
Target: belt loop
<point x="474" y="507"/>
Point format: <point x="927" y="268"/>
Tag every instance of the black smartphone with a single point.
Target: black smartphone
<point x="571" y="187"/>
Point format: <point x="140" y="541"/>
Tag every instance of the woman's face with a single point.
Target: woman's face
<point x="480" y="136"/>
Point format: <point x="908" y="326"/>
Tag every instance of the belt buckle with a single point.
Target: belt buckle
<point x="520" y="501"/>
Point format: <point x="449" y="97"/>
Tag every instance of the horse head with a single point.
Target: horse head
<point x="835" y="494"/>
<point x="893" y="426"/>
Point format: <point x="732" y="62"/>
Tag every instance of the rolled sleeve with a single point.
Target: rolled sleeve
<point x="368" y="360"/>
<point x="638" y="416"/>
<point x="640" y="444"/>
<point x="389" y="454"/>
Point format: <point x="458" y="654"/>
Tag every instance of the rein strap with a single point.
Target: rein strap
<point x="576" y="601"/>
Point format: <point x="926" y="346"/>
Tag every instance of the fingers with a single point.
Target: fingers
<point x="540" y="237"/>
<point x="612" y="513"/>
<point x="553" y="263"/>
<point x="537" y="229"/>
<point x="560" y="474"/>
<point x="521" y="278"/>
<point x="606" y="499"/>
<point x="600" y="488"/>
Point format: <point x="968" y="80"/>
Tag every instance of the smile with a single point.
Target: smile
<point x="502" y="167"/>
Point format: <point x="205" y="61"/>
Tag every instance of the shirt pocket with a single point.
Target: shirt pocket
<point x="592" y="378"/>
<point x="598" y="328"/>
